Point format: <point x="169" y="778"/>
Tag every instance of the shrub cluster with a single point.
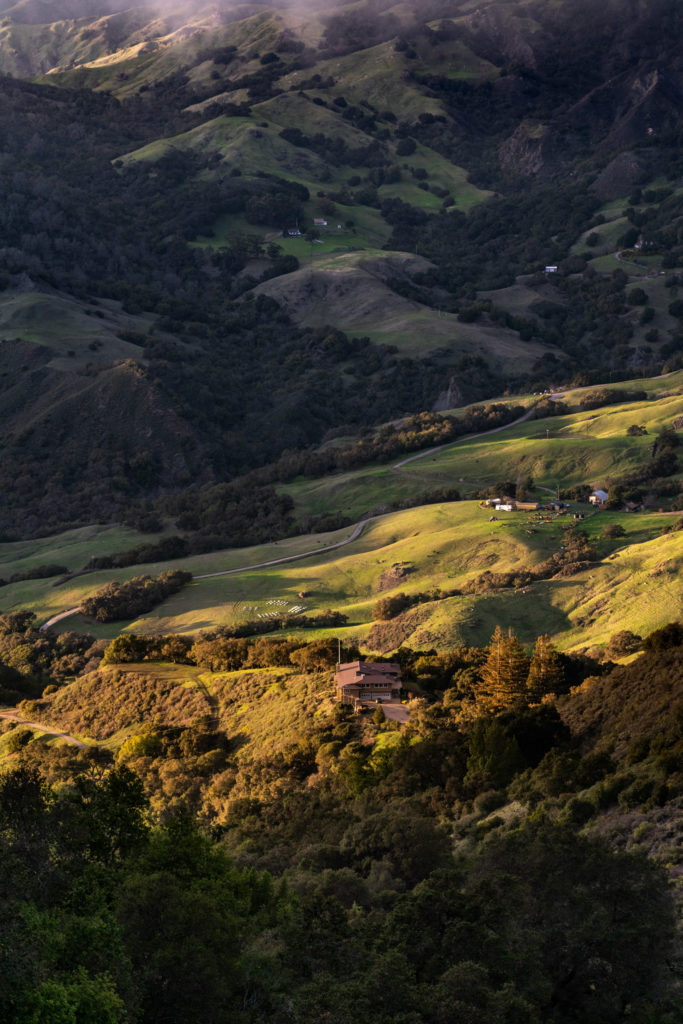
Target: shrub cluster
<point x="134" y="597"/>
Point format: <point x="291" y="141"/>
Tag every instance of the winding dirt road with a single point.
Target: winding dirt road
<point x="466" y="437"/>
<point x="357" y="530"/>
<point x="58" y="618"/>
<point x="12" y="716"/>
<point x="359" y="527"/>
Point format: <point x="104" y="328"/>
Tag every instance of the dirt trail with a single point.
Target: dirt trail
<point x="58" y="618"/>
<point x="357" y="530"/>
<point x="12" y="716"/>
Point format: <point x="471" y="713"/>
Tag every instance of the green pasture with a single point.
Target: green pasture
<point x="442" y="543"/>
<point x="75" y="548"/>
<point x="665" y="387"/>
<point x="444" y="546"/>
<point x="607" y="233"/>
<point x="368" y="233"/>
<point x="438" y="546"/>
<point x="290" y="110"/>
<point x="373" y="75"/>
<point x="587" y="447"/>
<point x="441" y="172"/>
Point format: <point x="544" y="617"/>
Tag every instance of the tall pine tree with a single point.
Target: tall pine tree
<point x="546" y="674"/>
<point x="504" y="674"/>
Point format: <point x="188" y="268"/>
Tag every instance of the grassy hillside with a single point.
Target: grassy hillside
<point x="583" y="447"/>
<point x="351" y="290"/>
<point x="533" y="824"/>
<point x="413" y="552"/>
<point x="439" y="545"/>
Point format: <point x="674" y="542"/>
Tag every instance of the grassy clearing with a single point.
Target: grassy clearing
<point x="666" y="386"/>
<point x="441" y="546"/>
<point x="374" y="75"/>
<point x="438" y="540"/>
<point x="441" y="173"/>
<point x="607" y="233"/>
<point x="69" y="327"/>
<point x="74" y="548"/>
<point x="587" y="447"/>
<point x="368" y="232"/>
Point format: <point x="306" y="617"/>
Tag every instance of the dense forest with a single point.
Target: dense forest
<point x="489" y="859"/>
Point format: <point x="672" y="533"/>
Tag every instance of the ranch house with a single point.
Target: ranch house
<point x="368" y="680"/>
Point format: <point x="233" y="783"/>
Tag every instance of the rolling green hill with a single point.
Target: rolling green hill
<point x="444" y="546"/>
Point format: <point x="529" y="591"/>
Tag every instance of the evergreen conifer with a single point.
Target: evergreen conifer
<point x="545" y="671"/>
<point x="504" y="674"/>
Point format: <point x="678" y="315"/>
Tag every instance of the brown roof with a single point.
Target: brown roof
<point x="376" y="673"/>
<point x="389" y="668"/>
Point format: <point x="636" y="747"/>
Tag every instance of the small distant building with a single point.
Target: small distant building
<point x="527" y="506"/>
<point x="505" y="507"/>
<point x="598" y="497"/>
<point x="368" y="680"/>
<point x="292" y="233"/>
<point x="319" y="222"/>
<point x="551" y="270"/>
